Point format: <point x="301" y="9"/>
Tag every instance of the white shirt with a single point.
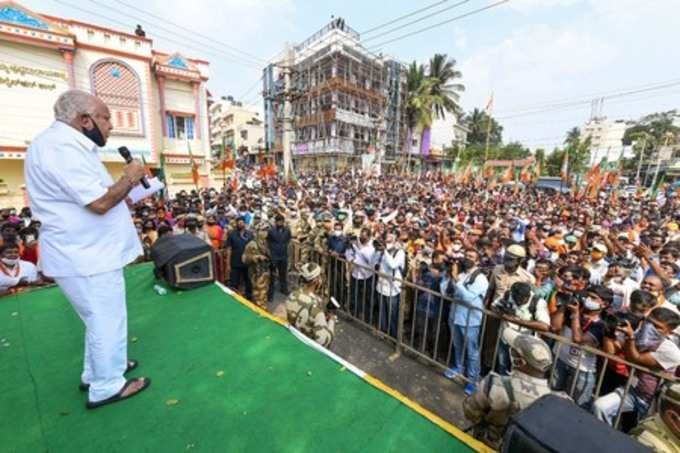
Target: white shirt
<point x="390" y="264"/>
<point x="667" y="355"/>
<point x="622" y="291"/>
<point x="598" y="269"/>
<point x="363" y="256"/>
<point x="63" y="175"/>
<point x="27" y="271"/>
<point x="523" y="312"/>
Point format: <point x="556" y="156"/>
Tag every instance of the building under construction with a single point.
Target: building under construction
<point x="345" y="102"/>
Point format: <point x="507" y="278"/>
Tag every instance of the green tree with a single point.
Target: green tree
<point x="553" y="162"/>
<point x="477" y="123"/>
<point x="414" y="79"/>
<point x="474" y="153"/>
<point x="539" y="155"/>
<point x="441" y="95"/>
<point x="573" y="137"/>
<point x="648" y="135"/>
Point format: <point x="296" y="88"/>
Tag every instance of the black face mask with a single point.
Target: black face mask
<point x="95" y="134"/>
<point x="466" y="264"/>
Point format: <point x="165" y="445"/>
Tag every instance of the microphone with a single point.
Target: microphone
<point x="125" y="154"/>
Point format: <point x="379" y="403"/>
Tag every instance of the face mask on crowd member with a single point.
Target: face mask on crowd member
<point x="514" y="255"/>
<point x="658" y="326"/>
<point x="469" y="261"/>
<point x="10" y="256"/>
<point x="598" y="252"/>
<point x="597" y="298"/>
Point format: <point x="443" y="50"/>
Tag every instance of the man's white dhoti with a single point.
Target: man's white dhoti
<point x="99" y="300"/>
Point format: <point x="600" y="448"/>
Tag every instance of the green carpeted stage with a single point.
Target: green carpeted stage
<point x="225" y="379"/>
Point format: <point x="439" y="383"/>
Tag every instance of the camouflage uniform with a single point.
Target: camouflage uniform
<point x="259" y="271"/>
<point x="295" y="225"/>
<point x="321" y="249"/>
<point x="500" y="397"/>
<point x="653" y="432"/>
<point x="304" y="312"/>
<point x="305" y="238"/>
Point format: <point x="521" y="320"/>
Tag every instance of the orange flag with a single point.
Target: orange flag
<point x="509" y="175"/>
<point x="525" y="174"/>
<point x="488" y="171"/>
<point x="466" y="175"/>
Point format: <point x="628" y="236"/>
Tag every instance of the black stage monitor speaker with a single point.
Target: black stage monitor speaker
<point x="556" y="425"/>
<point x="183" y="261"/>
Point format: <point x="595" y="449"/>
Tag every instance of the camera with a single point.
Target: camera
<point x="612" y="320"/>
<point x="378" y="244"/>
<point x="505" y="305"/>
<point x="569" y="297"/>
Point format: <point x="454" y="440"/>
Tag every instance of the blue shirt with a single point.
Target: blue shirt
<point x="237" y="243"/>
<point x="471" y="293"/>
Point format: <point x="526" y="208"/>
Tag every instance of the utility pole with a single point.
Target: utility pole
<point x="642" y="154"/>
<point x="287" y="120"/>
<point x="658" y="160"/>
<point x="488" y="133"/>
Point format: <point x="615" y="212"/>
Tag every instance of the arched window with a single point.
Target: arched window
<point x="118" y="86"/>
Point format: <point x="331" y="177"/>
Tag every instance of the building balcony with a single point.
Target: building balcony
<point x="182" y="146"/>
<point x="346" y="86"/>
<point x="328" y="146"/>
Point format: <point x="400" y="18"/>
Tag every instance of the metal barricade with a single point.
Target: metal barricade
<point x="424" y="329"/>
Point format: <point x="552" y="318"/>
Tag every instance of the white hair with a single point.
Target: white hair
<point x="72" y="103"/>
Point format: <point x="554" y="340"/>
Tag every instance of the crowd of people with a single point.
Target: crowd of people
<point x="600" y="272"/>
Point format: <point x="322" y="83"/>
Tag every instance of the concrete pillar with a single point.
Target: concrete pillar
<point x="70" y="70"/>
<point x="197" y="109"/>
<point x="161" y="97"/>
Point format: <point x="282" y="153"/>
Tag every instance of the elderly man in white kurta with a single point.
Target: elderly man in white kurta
<point x="87" y="236"/>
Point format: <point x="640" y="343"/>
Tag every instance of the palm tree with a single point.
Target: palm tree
<point x="443" y="95"/>
<point x="414" y="79"/>
<point x="477" y="123"/>
<point x="573" y="137"/>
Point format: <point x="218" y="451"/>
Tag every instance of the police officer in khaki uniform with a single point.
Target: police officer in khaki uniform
<point x="661" y="432"/>
<point x="305" y="309"/>
<point x="499" y="397"/>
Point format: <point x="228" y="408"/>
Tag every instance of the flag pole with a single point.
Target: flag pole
<point x="224" y="172"/>
<point x="194" y="169"/>
<point x="489" y="106"/>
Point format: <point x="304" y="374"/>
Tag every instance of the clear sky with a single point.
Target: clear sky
<point x="528" y="52"/>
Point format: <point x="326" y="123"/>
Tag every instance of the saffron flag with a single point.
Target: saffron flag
<point x="194" y="167"/>
<point x="466" y="175"/>
<point x="525" y="174"/>
<point x="489" y="105"/>
<point x="509" y="175"/>
<point x="537" y="170"/>
<point x="488" y="171"/>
